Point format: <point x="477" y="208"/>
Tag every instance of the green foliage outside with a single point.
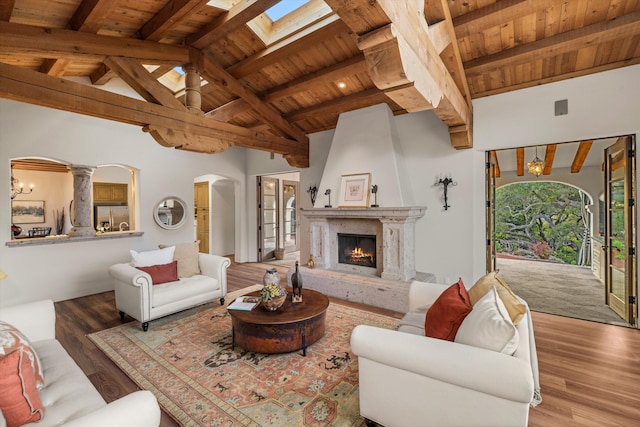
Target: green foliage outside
<point x="539" y="220"/>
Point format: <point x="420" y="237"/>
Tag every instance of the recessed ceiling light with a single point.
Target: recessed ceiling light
<point x="342" y="85"/>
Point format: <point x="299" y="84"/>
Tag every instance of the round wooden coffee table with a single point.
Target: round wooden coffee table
<point x="292" y="327"/>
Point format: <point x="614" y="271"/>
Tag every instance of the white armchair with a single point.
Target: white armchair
<point x="137" y="296"/>
<point x="408" y="379"/>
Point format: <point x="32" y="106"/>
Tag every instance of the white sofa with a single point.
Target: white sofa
<point x="408" y="379"/>
<point x="137" y="296"/>
<point x="68" y="396"/>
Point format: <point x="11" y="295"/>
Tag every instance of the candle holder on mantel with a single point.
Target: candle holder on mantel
<point x="374" y="191"/>
<point x="328" y="193"/>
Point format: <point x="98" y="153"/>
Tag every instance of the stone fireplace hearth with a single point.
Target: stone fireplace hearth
<point x="393" y="229"/>
<point x="384" y="285"/>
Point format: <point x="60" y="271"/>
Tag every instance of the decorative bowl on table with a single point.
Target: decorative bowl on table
<point x="272" y="296"/>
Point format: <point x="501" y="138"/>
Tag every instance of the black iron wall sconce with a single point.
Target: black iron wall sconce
<point x="446" y="182"/>
<point x="313" y="191"/>
<point x="328" y="193"/>
<point x="374" y="191"/>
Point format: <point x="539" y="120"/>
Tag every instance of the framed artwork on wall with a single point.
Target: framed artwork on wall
<point x="27" y="211"/>
<point x="354" y="191"/>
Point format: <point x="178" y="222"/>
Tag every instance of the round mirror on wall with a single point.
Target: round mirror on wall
<point x="170" y="213"/>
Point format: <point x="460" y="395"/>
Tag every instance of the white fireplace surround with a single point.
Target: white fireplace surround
<point x="394" y="228"/>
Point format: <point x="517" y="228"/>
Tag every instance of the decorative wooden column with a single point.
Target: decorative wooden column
<point x="193" y="97"/>
<point x="82" y="201"/>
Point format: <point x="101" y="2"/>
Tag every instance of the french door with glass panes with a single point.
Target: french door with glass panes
<point x="619" y="230"/>
<point x="268" y="219"/>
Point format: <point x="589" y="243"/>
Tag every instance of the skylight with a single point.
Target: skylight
<point x="283" y="8"/>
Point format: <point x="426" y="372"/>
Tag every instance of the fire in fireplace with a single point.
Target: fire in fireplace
<point x="357" y="249"/>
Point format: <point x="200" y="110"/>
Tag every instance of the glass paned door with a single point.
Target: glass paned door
<point x="491" y="173"/>
<point x="620" y="229"/>
<point x="289" y="202"/>
<point x="267" y="218"/>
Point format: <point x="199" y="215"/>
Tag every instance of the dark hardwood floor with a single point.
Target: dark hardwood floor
<point x="590" y="372"/>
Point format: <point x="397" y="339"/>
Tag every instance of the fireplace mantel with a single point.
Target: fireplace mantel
<point x="395" y="227"/>
<point x="399" y="213"/>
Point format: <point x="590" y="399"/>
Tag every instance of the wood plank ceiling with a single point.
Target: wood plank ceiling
<point x="245" y="80"/>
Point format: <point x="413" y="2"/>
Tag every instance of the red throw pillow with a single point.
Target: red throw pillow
<point x="162" y="273"/>
<point x="12" y="339"/>
<point x="447" y="312"/>
<point x="19" y="398"/>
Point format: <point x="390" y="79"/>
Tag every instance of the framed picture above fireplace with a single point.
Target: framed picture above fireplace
<point x="354" y="191"/>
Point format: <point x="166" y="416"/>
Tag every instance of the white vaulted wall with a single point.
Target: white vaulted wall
<point x="449" y="244"/>
<point x="68" y="270"/>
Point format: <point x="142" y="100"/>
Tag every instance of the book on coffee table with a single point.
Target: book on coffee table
<point x="244" y="303"/>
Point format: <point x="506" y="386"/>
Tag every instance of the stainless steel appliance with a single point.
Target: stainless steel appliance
<point x="111" y="218"/>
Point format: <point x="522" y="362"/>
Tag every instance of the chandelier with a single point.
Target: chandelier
<point x="17" y="187"/>
<point x="536" y="166"/>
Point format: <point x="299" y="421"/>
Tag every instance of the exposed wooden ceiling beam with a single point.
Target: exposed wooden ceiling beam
<point x="73" y="45"/>
<point x="89" y="17"/>
<point x="316" y="33"/>
<point x="569" y="41"/>
<point x="24" y="85"/>
<point x="496" y="163"/>
<point x="390" y="35"/>
<point x="39" y="165"/>
<point x="581" y="155"/>
<point x="217" y="75"/>
<point x="549" y="155"/>
<point x="496" y="14"/>
<point x="236" y="17"/>
<point x="229" y="110"/>
<point x="171" y="15"/>
<point x="6" y="9"/>
<point x="344" y="103"/>
<point x="437" y="13"/>
<point x="143" y="82"/>
<point x="520" y="161"/>
<point x="334" y="72"/>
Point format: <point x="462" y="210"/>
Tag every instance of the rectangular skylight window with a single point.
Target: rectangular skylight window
<point x="283" y="8"/>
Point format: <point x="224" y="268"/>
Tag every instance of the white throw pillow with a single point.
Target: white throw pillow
<point x="489" y="326"/>
<point x="149" y="258"/>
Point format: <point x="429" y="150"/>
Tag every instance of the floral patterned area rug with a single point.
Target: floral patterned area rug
<point x="187" y="361"/>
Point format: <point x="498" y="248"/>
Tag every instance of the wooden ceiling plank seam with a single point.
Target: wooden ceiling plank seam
<point x="169" y="17"/>
<point x="236" y="17"/>
<point x="143" y="82"/>
<point x="73" y="45"/>
<point x="6" y="9"/>
<point x="520" y="161"/>
<point x="217" y="75"/>
<point x="549" y="155"/>
<point x="482" y="92"/>
<point x="601" y="32"/>
<point x="36" y="88"/>
<point x="324" y="29"/>
<point x="581" y="155"/>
